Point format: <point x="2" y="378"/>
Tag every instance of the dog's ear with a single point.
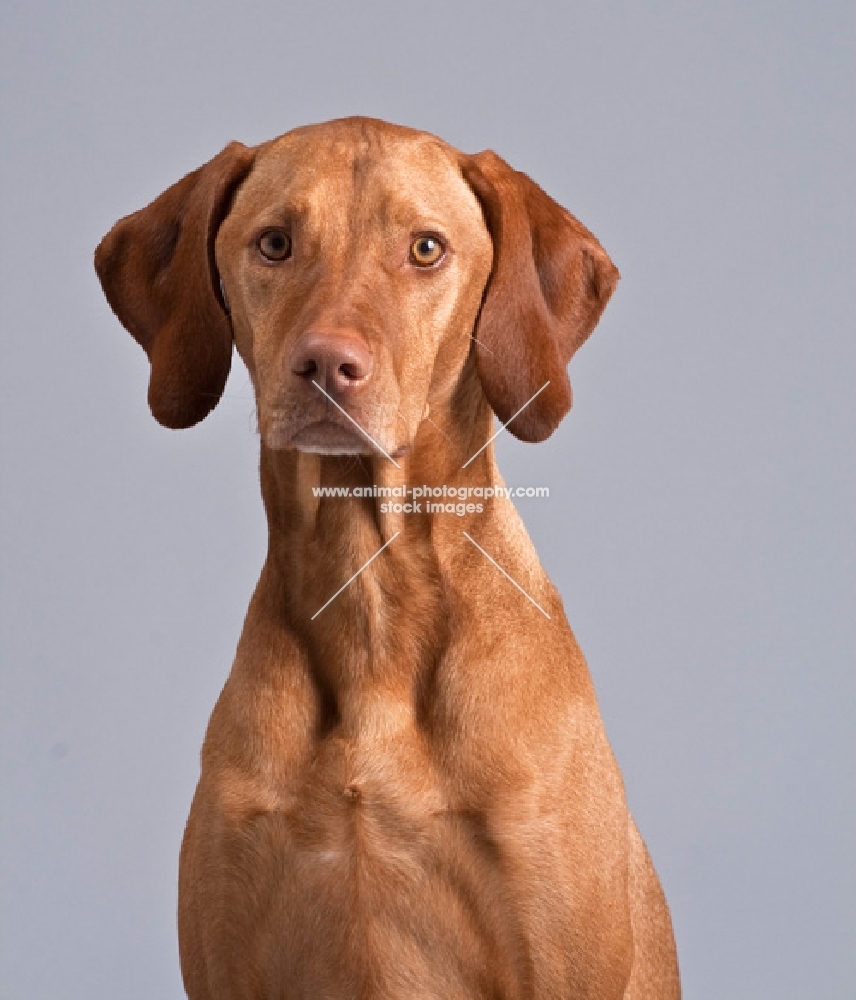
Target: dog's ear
<point x="550" y="282"/>
<point x="157" y="270"/>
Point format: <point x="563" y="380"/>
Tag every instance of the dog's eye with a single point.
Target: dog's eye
<point x="275" y="244"/>
<point x="426" y="250"/>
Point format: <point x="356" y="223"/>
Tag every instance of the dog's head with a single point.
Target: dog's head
<point x="356" y="265"/>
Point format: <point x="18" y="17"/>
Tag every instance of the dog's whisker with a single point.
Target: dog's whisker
<point x="361" y="429"/>
<point x="440" y="429"/>
<point x="507" y="422"/>
<point x="481" y="344"/>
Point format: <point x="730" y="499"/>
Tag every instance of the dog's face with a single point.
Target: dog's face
<point x="357" y="265"/>
<point x="354" y="262"/>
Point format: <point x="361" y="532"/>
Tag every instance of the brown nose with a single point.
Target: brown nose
<point x="338" y="362"/>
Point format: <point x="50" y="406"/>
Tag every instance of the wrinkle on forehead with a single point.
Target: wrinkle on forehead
<point x="370" y="175"/>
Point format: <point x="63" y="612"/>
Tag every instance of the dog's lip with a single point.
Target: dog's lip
<point x="329" y="436"/>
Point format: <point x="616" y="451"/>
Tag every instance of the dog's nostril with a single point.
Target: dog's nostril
<point x="307" y="368"/>
<point x="352" y="371"/>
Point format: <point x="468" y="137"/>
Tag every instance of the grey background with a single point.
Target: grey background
<point x="699" y="524"/>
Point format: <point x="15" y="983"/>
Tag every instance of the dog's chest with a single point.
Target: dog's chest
<point x="369" y="794"/>
<point x="384" y="861"/>
<point x="367" y="848"/>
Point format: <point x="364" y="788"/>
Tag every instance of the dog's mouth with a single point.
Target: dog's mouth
<point x="329" y="431"/>
<point x="326" y="437"/>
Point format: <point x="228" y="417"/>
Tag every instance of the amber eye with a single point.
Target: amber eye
<point x="426" y="250"/>
<point x="275" y="244"/>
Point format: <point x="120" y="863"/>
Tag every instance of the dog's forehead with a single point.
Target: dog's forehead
<point x="389" y="171"/>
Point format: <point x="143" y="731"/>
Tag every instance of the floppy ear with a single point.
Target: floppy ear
<point x="157" y="270"/>
<point x="550" y="282"/>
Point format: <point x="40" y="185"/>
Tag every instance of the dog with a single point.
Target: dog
<point x="406" y="790"/>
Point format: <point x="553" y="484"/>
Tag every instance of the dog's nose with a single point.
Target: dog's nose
<point x="338" y="362"/>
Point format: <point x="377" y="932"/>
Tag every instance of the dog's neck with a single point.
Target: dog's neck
<point x="391" y="618"/>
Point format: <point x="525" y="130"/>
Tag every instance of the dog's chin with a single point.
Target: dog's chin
<point x="327" y="438"/>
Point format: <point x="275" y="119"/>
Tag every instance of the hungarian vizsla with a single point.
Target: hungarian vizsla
<point x="406" y="789"/>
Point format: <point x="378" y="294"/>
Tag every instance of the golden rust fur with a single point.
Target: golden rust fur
<point x="409" y="794"/>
